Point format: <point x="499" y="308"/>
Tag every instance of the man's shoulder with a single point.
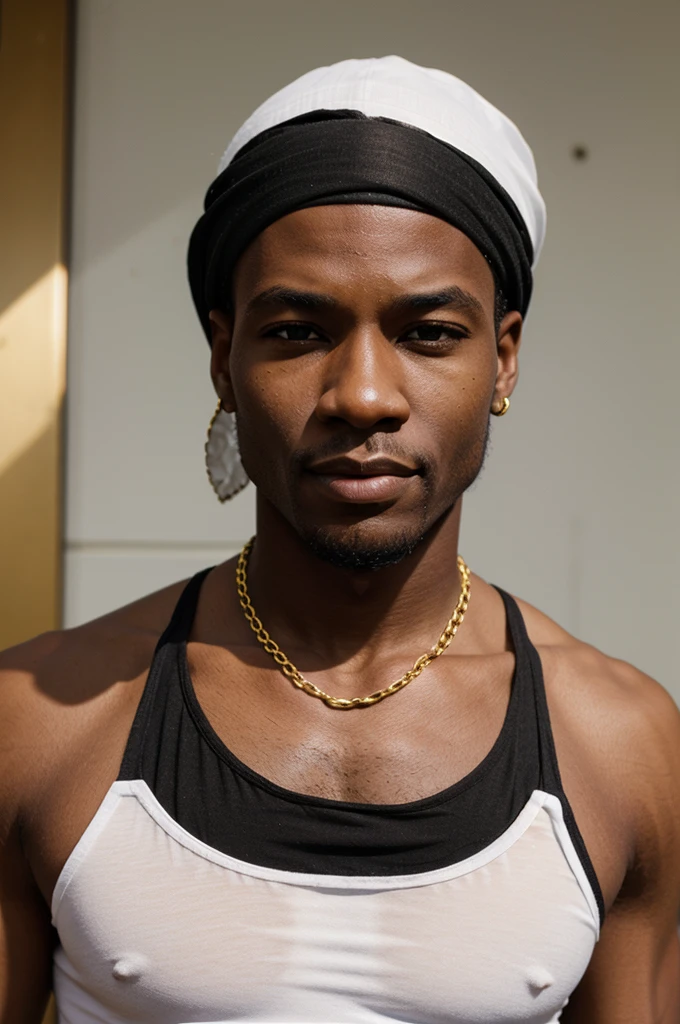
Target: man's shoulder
<point x="59" y="683"/>
<point x="598" y="682"/>
<point x="625" y="723"/>
<point x="64" y="658"/>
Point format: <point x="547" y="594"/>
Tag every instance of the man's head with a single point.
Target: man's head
<point x="361" y="357"/>
<point x="362" y="283"/>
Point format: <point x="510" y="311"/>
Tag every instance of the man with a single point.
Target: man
<point x="349" y="781"/>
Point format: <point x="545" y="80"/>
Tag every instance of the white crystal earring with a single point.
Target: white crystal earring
<point x="222" y="457"/>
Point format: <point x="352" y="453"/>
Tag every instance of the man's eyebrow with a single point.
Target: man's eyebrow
<point x="281" y="297"/>
<point x="453" y="297"/>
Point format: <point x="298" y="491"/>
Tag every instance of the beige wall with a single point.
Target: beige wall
<point x="577" y="510"/>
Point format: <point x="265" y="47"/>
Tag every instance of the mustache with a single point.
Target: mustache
<point x="372" y="444"/>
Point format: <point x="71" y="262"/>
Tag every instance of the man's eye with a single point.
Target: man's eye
<point x="434" y="333"/>
<point x="294" y="332"/>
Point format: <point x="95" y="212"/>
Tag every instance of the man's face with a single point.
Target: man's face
<point x="361" y="358"/>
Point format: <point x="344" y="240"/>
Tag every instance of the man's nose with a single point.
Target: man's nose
<point x="363" y="382"/>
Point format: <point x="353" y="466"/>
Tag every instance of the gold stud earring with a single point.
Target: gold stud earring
<point x="505" y="405"/>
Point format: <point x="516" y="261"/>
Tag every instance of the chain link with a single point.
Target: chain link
<point x="296" y="677"/>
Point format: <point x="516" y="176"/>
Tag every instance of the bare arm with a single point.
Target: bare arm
<point x="634" y="975"/>
<point x="25" y="939"/>
<point x="26" y="936"/>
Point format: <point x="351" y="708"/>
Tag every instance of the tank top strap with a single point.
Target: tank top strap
<point x="164" y="670"/>
<point x="551" y="781"/>
<point x="529" y="668"/>
<point x="179" y="627"/>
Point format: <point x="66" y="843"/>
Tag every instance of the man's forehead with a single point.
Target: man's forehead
<point x="360" y="233"/>
<point x="400" y="253"/>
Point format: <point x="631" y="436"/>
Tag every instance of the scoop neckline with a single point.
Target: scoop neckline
<point x="223" y="752"/>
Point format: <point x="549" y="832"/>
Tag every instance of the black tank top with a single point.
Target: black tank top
<point x="231" y="808"/>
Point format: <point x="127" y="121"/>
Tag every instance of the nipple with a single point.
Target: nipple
<point x="538" y="979"/>
<point x="129" y="968"/>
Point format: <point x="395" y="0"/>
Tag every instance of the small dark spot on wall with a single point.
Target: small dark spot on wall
<point x="580" y="152"/>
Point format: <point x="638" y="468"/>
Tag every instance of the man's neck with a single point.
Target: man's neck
<point x="306" y="602"/>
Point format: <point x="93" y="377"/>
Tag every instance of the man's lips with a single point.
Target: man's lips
<point x="377" y="465"/>
<point x="362" y="480"/>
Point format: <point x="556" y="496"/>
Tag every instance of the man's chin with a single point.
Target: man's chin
<point x="347" y="549"/>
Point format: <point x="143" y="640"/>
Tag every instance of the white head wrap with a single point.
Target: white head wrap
<point x="435" y="101"/>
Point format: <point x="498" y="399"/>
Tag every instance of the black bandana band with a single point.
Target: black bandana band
<point x="344" y="157"/>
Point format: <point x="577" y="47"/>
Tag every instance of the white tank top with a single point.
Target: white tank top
<point x="156" y="924"/>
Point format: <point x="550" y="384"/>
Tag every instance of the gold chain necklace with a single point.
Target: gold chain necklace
<point x="296" y="677"/>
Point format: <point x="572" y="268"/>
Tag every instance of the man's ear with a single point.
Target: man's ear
<point x="507" y="347"/>
<point x="221" y="327"/>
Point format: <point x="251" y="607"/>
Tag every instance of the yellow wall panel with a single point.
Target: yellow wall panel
<point x="34" y="79"/>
